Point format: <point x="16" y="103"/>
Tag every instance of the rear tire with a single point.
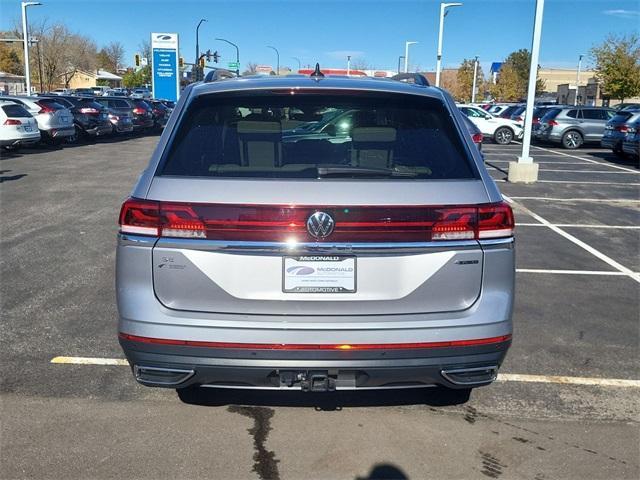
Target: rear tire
<point x="503" y="136"/>
<point x="572" y="140"/>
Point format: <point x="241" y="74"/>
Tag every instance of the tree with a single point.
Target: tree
<point x="10" y="60"/>
<point x="513" y="80"/>
<point x="464" y="83"/>
<point x="252" y="69"/>
<point x="110" y="57"/>
<point x="617" y="65"/>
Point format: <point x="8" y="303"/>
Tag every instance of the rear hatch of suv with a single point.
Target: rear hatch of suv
<point x="317" y="203"/>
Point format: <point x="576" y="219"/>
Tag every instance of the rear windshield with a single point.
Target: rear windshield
<point x="623" y="116"/>
<point x="15" y="111"/>
<point x="318" y="136"/>
<point x="551" y="113"/>
<point x="51" y="103"/>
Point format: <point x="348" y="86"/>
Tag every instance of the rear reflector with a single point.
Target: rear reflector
<point x="316" y="346"/>
<point x="284" y="223"/>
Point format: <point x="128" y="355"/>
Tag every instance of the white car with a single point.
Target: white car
<point x="17" y="126"/>
<point x="501" y="130"/>
<point x="55" y="122"/>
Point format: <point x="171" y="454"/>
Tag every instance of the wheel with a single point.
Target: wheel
<point x="503" y="136"/>
<point x="620" y="154"/>
<point x="572" y="140"/>
<point x="75" y="138"/>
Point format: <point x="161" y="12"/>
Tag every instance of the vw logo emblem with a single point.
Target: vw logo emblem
<point x="320" y="225"/>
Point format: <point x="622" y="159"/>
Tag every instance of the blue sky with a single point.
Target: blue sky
<point x="327" y="31"/>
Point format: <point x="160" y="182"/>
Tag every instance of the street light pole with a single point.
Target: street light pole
<point x="475" y="78"/>
<point x="299" y="63"/>
<point x="348" y="65"/>
<point x="575" y="100"/>
<point x="237" y="53"/>
<point x="406" y="55"/>
<point x="399" y="59"/>
<point x="277" y="58"/>
<point x="25" y="39"/>
<point x="443" y="13"/>
<point x="196" y="62"/>
<point x="525" y="170"/>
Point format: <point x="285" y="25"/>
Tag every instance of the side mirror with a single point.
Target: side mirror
<point x="330" y="130"/>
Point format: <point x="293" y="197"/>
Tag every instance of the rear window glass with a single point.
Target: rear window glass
<point x="119" y="103"/>
<point x="51" y="103"/>
<point x="551" y="113"/>
<point x="621" y="117"/>
<point x="318" y="136"/>
<point x="15" y="111"/>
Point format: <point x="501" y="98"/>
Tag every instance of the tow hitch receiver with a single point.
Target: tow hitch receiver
<point x="309" y="380"/>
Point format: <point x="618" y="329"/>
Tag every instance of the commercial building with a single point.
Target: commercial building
<point x="11" y="84"/>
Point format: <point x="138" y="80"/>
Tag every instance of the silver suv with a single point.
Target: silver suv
<point x="573" y="126"/>
<point x="315" y="233"/>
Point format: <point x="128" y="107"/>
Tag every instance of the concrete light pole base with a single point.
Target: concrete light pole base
<point x="523" y="172"/>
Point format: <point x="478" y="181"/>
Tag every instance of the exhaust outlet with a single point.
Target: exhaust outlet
<point x="470" y="376"/>
<point x="165" y="377"/>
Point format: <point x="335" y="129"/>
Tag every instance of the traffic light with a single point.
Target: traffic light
<point x="181" y="62"/>
<point x="137" y="59"/>
<point x="201" y="62"/>
<point x="216" y="56"/>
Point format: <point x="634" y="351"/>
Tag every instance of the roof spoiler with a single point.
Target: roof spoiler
<point x="415" y="78"/>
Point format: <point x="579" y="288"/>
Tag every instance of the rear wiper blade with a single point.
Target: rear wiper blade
<point x="361" y="172"/>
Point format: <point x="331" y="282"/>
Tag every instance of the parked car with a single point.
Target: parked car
<point x="120" y="113"/>
<point x="99" y="90"/>
<point x="160" y="113"/>
<point x="17" y="126"/>
<point x="141" y="93"/>
<point x="142" y="115"/>
<point x="631" y="143"/>
<point x="90" y="118"/>
<point x="62" y="91"/>
<point x="616" y="129"/>
<point x="497" y="109"/>
<point x="55" y="121"/>
<point x="84" y="92"/>
<point x="390" y="255"/>
<point x="510" y="110"/>
<point x="474" y="131"/>
<point x="502" y="130"/>
<point x="624" y="106"/>
<point x="115" y="93"/>
<point x="518" y="114"/>
<point x="573" y="126"/>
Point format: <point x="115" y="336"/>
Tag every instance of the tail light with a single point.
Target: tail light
<point x="45" y="108"/>
<point x="12" y="121"/>
<point x="477" y="138"/>
<point x="283" y="223"/>
<point x="621" y="128"/>
<point x="139" y="111"/>
<point x="89" y="110"/>
<point x="535" y="120"/>
<point x="518" y="118"/>
<point x="552" y="123"/>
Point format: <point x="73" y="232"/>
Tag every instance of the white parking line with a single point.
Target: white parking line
<point x="588" y="160"/>
<point x="580" y="225"/>
<point x="497" y="160"/>
<point x="601" y="382"/>
<point x="502" y="180"/>
<point x="502" y="377"/>
<point x="595" y="200"/>
<point x="570" y="272"/>
<point x="596" y="253"/>
<point x="89" y="361"/>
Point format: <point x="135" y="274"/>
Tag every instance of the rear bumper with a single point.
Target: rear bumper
<point x="98" y="130"/>
<point x="631" y="148"/>
<point x="612" y="142"/>
<point x="61" y="132"/>
<point x="182" y="366"/>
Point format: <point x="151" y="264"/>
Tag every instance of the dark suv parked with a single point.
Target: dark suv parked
<point x="142" y="115"/>
<point x="120" y="113"/>
<point x="617" y="128"/>
<point x="90" y="118"/>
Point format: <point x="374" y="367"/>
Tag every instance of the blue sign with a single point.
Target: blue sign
<point x="164" y="66"/>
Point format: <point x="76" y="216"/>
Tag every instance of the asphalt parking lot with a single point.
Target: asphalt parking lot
<point x="566" y="406"/>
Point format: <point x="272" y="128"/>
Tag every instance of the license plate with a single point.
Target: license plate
<point x="65" y="119"/>
<point x="319" y="274"/>
<point x="27" y="128"/>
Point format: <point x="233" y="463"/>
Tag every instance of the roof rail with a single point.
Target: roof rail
<point x="415" y="78"/>
<point x="218" y="74"/>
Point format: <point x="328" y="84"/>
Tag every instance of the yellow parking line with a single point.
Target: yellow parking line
<point x="89" y="361"/>
<point x="502" y="377"/>
<point x="602" y="382"/>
